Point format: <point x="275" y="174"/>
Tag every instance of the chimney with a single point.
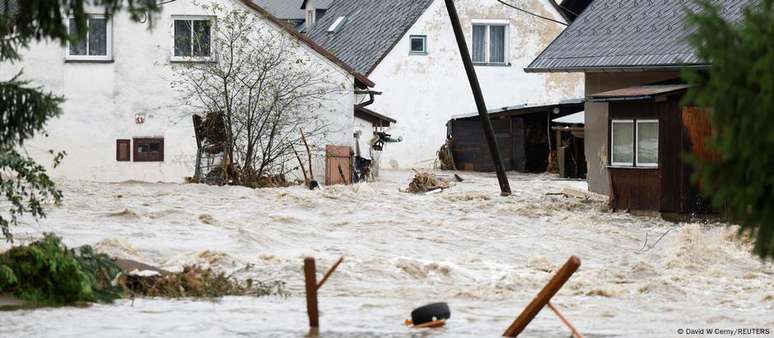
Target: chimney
<point x="311" y="14"/>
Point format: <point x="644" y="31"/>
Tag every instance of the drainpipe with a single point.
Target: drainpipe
<point x="370" y="101"/>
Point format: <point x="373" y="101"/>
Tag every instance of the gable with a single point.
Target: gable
<point x="370" y="30"/>
<point x="359" y="77"/>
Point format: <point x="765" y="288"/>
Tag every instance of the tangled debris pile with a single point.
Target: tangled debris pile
<point x="193" y="281"/>
<point x="426" y="182"/>
<point x="46" y="272"/>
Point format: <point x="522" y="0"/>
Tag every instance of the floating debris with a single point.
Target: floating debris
<point x="425" y="182"/>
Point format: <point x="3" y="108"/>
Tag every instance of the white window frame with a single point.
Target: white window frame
<point x="506" y="44"/>
<point x="108" y="40"/>
<point x="424" y="44"/>
<point x="213" y="22"/>
<point x="612" y="145"/>
<point x="637" y="144"/>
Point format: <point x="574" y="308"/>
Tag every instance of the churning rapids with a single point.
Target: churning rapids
<point x="486" y="255"/>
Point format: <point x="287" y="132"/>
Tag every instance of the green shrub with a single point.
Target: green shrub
<point x="46" y="272"/>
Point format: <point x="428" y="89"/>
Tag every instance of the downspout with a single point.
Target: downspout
<point x="371" y="98"/>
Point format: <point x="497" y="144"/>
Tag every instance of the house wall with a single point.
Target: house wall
<point x="423" y="92"/>
<point x="597" y="132"/>
<point x="104" y="98"/>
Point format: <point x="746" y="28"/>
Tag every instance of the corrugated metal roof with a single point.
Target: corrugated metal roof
<point x="371" y="30"/>
<point x="637" y="92"/>
<point x="577" y="118"/>
<point x="624" y="34"/>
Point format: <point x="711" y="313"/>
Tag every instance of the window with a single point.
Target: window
<point x="192" y="39"/>
<point x="148" y="150"/>
<point x="123" y="150"/>
<point x="490" y="42"/>
<point x="647" y="143"/>
<point x="418" y="44"/>
<point x="634" y="143"/>
<point x="96" y="44"/>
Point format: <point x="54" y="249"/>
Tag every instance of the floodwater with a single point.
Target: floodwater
<point x="486" y="255"/>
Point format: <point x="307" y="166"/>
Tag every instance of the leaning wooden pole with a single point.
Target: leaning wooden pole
<point x="543" y="297"/>
<point x="486" y="123"/>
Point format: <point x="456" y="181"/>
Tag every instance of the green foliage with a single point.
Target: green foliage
<point x="739" y="92"/>
<point x="46" y="272"/>
<point x="25" y="109"/>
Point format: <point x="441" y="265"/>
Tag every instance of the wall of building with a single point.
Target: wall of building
<point x="103" y="99"/>
<point x="596" y="132"/>
<point x="423" y="92"/>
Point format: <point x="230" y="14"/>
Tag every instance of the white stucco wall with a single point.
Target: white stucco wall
<point x="423" y="92"/>
<point x="104" y="98"/>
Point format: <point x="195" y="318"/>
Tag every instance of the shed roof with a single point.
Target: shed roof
<point x="375" y="118"/>
<point x="637" y="92"/>
<point x="625" y="34"/>
<point x="359" y="77"/>
<point x="371" y="30"/>
<point x="577" y="118"/>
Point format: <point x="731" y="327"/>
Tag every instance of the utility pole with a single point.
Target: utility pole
<point x="486" y="123"/>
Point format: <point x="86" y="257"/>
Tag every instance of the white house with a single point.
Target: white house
<point x="122" y="119"/>
<point x="408" y="48"/>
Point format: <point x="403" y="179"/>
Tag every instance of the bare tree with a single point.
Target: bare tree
<point x="264" y="86"/>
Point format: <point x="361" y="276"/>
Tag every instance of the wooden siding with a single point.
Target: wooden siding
<point x="667" y="188"/>
<point x="522" y="140"/>
<point x="635" y="189"/>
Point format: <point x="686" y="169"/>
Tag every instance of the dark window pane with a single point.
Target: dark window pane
<point x="418" y="44"/>
<point x="77" y="48"/>
<point x="479" y="43"/>
<point x="97" y="36"/>
<point x="201" y="45"/>
<point x="497" y="44"/>
<point x="182" y="38"/>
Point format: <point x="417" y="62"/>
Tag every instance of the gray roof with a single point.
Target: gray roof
<point x="626" y="34"/>
<point x="289" y="9"/>
<point x="371" y="30"/>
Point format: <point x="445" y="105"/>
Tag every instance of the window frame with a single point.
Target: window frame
<point x="612" y="138"/>
<point x="424" y="44"/>
<point x="139" y="157"/>
<point x="108" y="57"/>
<point x="128" y="144"/>
<point x="192" y="58"/>
<point x="637" y="162"/>
<point x="489" y="23"/>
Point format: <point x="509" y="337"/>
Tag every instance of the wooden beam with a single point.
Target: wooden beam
<point x="573" y="329"/>
<point x="560" y="278"/>
<point x="310" y="278"/>
<point x="329" y="273"/>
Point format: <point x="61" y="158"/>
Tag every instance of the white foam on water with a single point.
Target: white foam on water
<point x="486" y="255"/>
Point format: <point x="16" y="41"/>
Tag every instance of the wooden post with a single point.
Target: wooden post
<point x="310" y="278"/>
<point x="543" y="297"/>
<point x="308" y="153"/>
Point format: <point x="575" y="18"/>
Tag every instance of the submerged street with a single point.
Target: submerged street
<point x="486" y="255"/>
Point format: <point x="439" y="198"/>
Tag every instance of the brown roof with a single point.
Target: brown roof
<point x="375" y="118"/>
<point x="304" y="39"/>
<point x="637" y="92"/>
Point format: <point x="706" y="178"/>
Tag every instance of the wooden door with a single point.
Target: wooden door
<point x="338" y="165"/>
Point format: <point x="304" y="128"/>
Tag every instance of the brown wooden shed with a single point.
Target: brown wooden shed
<point x="523" y="136"/>
<point x="651" y="132"/>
